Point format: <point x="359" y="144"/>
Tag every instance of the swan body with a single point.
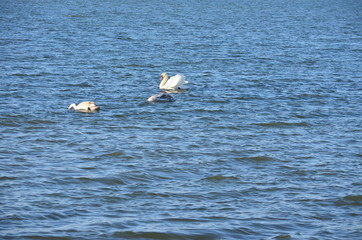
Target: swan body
<point x="84" y="107"/>
<point x="162" y="97"/>
<point x="174" y="83"/>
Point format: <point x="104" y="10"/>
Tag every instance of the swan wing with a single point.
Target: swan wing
<point x="94" y="108"/>
<point x="175" y="82"/>
<point x="85" y="106"/>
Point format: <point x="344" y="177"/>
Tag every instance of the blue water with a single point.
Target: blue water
<point x="266" y="144"/>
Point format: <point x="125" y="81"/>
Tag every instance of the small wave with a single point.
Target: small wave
<point x="183" y="220"/>
<point x="229" y="127"/>
<point x="134" y="65"/>
<point x="105" y="180"/>
<point x="282" y="124"/>
<point x="119" y="66"/>
<point x="308" y="96"/>
<point x="82" y="84"/>
<point x="4" y="178"/>
<point x="41" y="236"/>
<point x="165" y="235"/>
<point x="119" y="115"/>
<point x="125" y="38"/>
<point x="31" y="75"/>
<point x="220" y="177"/>
<point x="76" y="16"/>
<point x="51" y="216"/>
<point x="9" y="124"/>
<point x="353" y="200"/>
<point x="257" y="158"/>
<point x="38" y="121"/>
<point x="113" y="154"/>
<point x="19" y="75"/>
<point x="143" y="177"/>
<point x="203" y="110"/>
<point x="283" y="236"/>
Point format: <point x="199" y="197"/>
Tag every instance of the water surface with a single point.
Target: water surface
<point x="264" y="145"/>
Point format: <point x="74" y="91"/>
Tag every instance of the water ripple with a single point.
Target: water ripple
<point x="264" y="145"/>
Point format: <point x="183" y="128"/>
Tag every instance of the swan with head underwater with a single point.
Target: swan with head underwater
<point x="174" y="83"/>
<point x="84" y="107"/>
<point x="161" y="97"/>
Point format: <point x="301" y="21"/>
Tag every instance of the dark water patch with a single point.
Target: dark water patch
<point x="40" y="74"/>
<point x="162" y="235"/>
<point x="351" y="200"/>
<point x="77" y="16"/>
<point x="90" y="168"/>
<point x="125" y="38"/>
<point x="7" y="178"/>
<point x="120" y="115"/>
<point x="256" y="159"/>
<point x="134" y="65"/>
<point x="85" y="84"/>
<point x="90" y="180"/>
<point x="220" y="177"/>
<point x="45" y="237"/>
<point x="50" y="216"/>
<point x="19" y="75"/>
<point x="15" y="116"/>
<point x="40" y="122"/>
<point x="113" y="154"/>
<point x="171" y="128"/>
<point x="143" y="177"/>
<point x="208" y="110"/>
<point x="283" y="237"/>
<point x="10" y="123"/>
<point x="183" y="220"/>
<point x="47" y="140"/>
<point x="282" y="124"/>
<point x="119" y="66"/>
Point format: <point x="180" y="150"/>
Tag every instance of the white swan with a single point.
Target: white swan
<point x="84" y="107"/>
<point x="162" y="97"/>
<point x="174" y="83"/>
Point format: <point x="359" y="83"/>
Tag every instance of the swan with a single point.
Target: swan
<point x="84" y="107"/>
<point x="174" y="83"/>
<point x="162" y="97"/>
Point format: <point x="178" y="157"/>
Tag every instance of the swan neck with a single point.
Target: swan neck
<point x="72" y="106"/>
<point x="164" y="80"/>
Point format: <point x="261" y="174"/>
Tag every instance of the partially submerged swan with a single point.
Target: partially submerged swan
<point x="84" y="107"/>
<point x="174" y="83"/>
<point x="162" y="97"/>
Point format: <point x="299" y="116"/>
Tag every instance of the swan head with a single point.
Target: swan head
<point x="163" y="75"/>
<point x="72" y="106"/>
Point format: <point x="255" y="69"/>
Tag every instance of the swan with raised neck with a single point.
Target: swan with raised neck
<point x="174" y="83"/>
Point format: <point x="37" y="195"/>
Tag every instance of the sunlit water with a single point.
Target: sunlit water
<point x="265" y="144"/>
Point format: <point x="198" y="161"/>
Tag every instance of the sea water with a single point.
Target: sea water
<point x="265" y="144"/>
